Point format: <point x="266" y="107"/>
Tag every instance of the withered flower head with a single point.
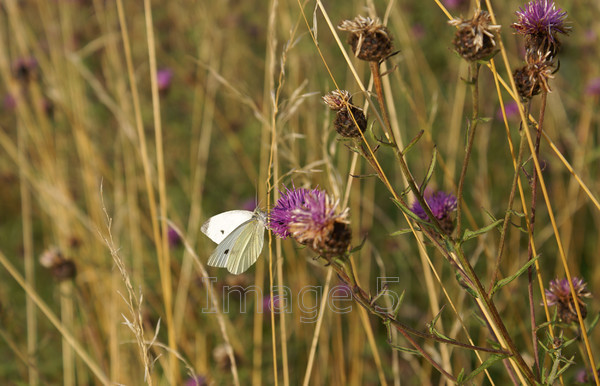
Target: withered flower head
<point x="338" y="99"/>
<point x="312" y="218"/>
<point x="540" y="21"/>
<point x="61" y="268"/>
<point x="559" y="294"/>
<point x="350" y="120"/>
<point x="474" y="38"/>
<point x="25" y="69"/>
<point x="369" y="39"/>
<point x="532" y="78"/>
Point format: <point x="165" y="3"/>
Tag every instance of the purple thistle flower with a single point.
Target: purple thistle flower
<point x="196" y="380"/>
<point x="173" y="238"/>
<point x="281" y="214"/>
<point x="440" y="203"/>
<point x="452" y="4"/>
<point x="270" y="307"/>
<point x="541" y="17"/>
<point x="163" y="79"/>
<point x="312" y="218"/>
<point x="559" y="294"/>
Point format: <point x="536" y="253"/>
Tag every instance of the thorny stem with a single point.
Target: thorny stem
<point x="474" y="70"/>
<point x="534" y="184"/>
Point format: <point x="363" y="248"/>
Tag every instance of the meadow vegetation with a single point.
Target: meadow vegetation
<point x="125" y="125"/>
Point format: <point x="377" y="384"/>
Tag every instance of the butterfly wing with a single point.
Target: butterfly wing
<point x="247" y="246"/>
<point x="218" y="227"/>
<point x="222" y="253"/>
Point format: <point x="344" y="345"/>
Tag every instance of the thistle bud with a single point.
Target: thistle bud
<point x="350" y="121"/>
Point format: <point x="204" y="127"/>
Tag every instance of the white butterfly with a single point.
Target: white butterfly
<point x="240" y="235"/>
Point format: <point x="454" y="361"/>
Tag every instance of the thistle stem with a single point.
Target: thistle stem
<point x="374" y="66"/>
<point x="474" y="77"/>
<point x="530" y="272"/>
<point x="509" y="206"/>
<point x="495" y="317"/>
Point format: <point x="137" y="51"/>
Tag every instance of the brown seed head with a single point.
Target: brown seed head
<point x="369" y="39"/>
<point x="474" y="38"/>
<point x="61" y="268"/>
<point x="349" y="123"/>
<point x="532" y="78"/>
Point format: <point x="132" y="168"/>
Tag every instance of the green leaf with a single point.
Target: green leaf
<point x="413" y="142"/>
<point x="381" y="141"/>
<point x="405" y="349"/>
<point x="433" y="330"/>
<point x="515" y="213"/>
<point x="463" y="283"/>
<point x="430" y="170"/>
<point x="486" y="364"/>
<point x="505" y="281"/>
<point x="469" y="234"/>
<point x="593" y="323"/>
<point x="397" y="309"/>
<point x="401" y="232"/>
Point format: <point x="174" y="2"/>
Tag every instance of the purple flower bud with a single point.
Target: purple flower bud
<point x="173" y="237"/>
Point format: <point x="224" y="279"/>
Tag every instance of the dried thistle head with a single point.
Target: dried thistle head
<point x="369" y="39"/>
<point x="350" y="121"/>
<point x="559" y="294"/>
<point x="25" y="69"/>
<point x="533" y="78"/>
<point x="61" y="268"/>
<point x="338" y="99"/>
<point x="474" y="38"/>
